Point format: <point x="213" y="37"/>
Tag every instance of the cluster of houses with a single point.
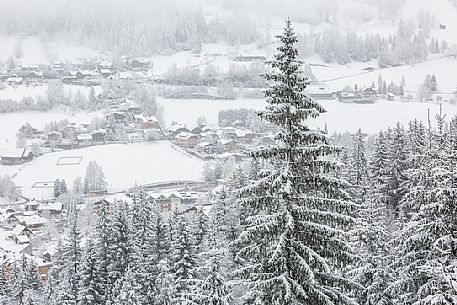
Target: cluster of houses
<point x="31" y="218"/>
<point x="208" y="142"/>
<point x="88" y="73"/>
<point x="123" y="114"/>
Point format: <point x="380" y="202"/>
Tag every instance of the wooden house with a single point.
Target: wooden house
<point x="15" y="156"/>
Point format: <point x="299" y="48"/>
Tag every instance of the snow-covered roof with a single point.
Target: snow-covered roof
<point x="52" y="206"/>
<point x="22" y="239"/>
<point x="14" y="79"/>
<point x="32" y="220"/>
<point x="185" y="135"/>
<point x="176" y="127"/>
<point x="84" y="136"/>
<point x="226" y="141"/>
<point x="32" y="203"/>
<point x="18" y="229"/>
<point x="13" y="153"/>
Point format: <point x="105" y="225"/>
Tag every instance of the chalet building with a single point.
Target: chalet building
<point x="43" y="270"/>
<point x="12" y="81"/>
<point x="367" y="91"/>
<point x="30" y="68"/>
<point x="138" y="64"/>
<point x="187" y="140"/>
<point x="34" y="76"/>
<point x="232" y="157"/>
<point x="132" y="107"/>
<point x="32" y="222"/>
<point x="249" y="58"/>
<point x="206" y="148"/>
<point x="167" y="202"/>
<point x="86" y="74"/>
<point x="54" y="137"/>
<point x="227" y="145"/>
<point x="345" y="97"/>
<point x="15" y="156"/>
<point x="69" y="131"/>
<point x="98" y="136"/>
<point x="106" y="65"/>
<point x="51" y="208"/>
<point x="177" y="129"/>
<point x="145" y="122"/>
<point x="196" y="130"/>
<point x="84" y="140"/>
<point x="116" y="117"/>
<point x="21" y="234"/>
<point x="320" y="92"/>
<point x="210" y="137"/>
<point x="106" y="73"/>
<point x="31" y="206"/>
<point x="246" y="136"/>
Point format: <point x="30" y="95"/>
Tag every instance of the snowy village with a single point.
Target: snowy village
<point x="223" y="152"/>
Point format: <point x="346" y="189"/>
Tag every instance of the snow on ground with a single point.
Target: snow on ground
<point x="187" y="111"/>
<point x="11" y="122"/>
<point x="372" y="118"/>
<point x="7" y="49"/>
<point x="445" y="12"/>
<point x="123" y="165"/>
<point x="340" y="117"/>
<point x="36" y="51"/>
<point x="444" y="70"/>
<point x="68" y="52"/>
<point x="17" y="93"/>
<point x="33" y="51"/>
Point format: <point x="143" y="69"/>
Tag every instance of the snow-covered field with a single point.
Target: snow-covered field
<point x="36" y="51"/>
<point x="17" y="93"/>
<point x="443" y="68"/>
<point x="375" y="117"/>
<point x="11" y="122"/>
<point x="140" y="163"/>
<point x="188" y="110"/>
<point x="339" y="117"/>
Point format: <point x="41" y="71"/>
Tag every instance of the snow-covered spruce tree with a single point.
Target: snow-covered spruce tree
<point x="182" y="262"/>
<point x="358" y="167"/>
<point x="87" y="292"/>
<point x="416" y="143"/>
<point x="103" y="255"/>
<point x="161" y="235"/>
<point x="143" y="248"/>
<point x="164" y="284"/>
<point x="371" y="241"/>
<point x="129" y="290"/>
<point x="427" y="243"/>
<point x="120" y="245"/>
<point x="295" y="242"/>
<point x="212" y="285"/>
<point x="396" y="166"/>
<point x="4" y="286"/>
<point x="20" y="284"/>
<point x="70" y="260"/>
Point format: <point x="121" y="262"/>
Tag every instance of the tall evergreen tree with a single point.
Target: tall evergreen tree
<point x="88" y="294"/>
<point x="294" y="243"/>
<point x="70" y="260"/>
<point x="103" y="255"/>
<point x="183" y="262"/>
